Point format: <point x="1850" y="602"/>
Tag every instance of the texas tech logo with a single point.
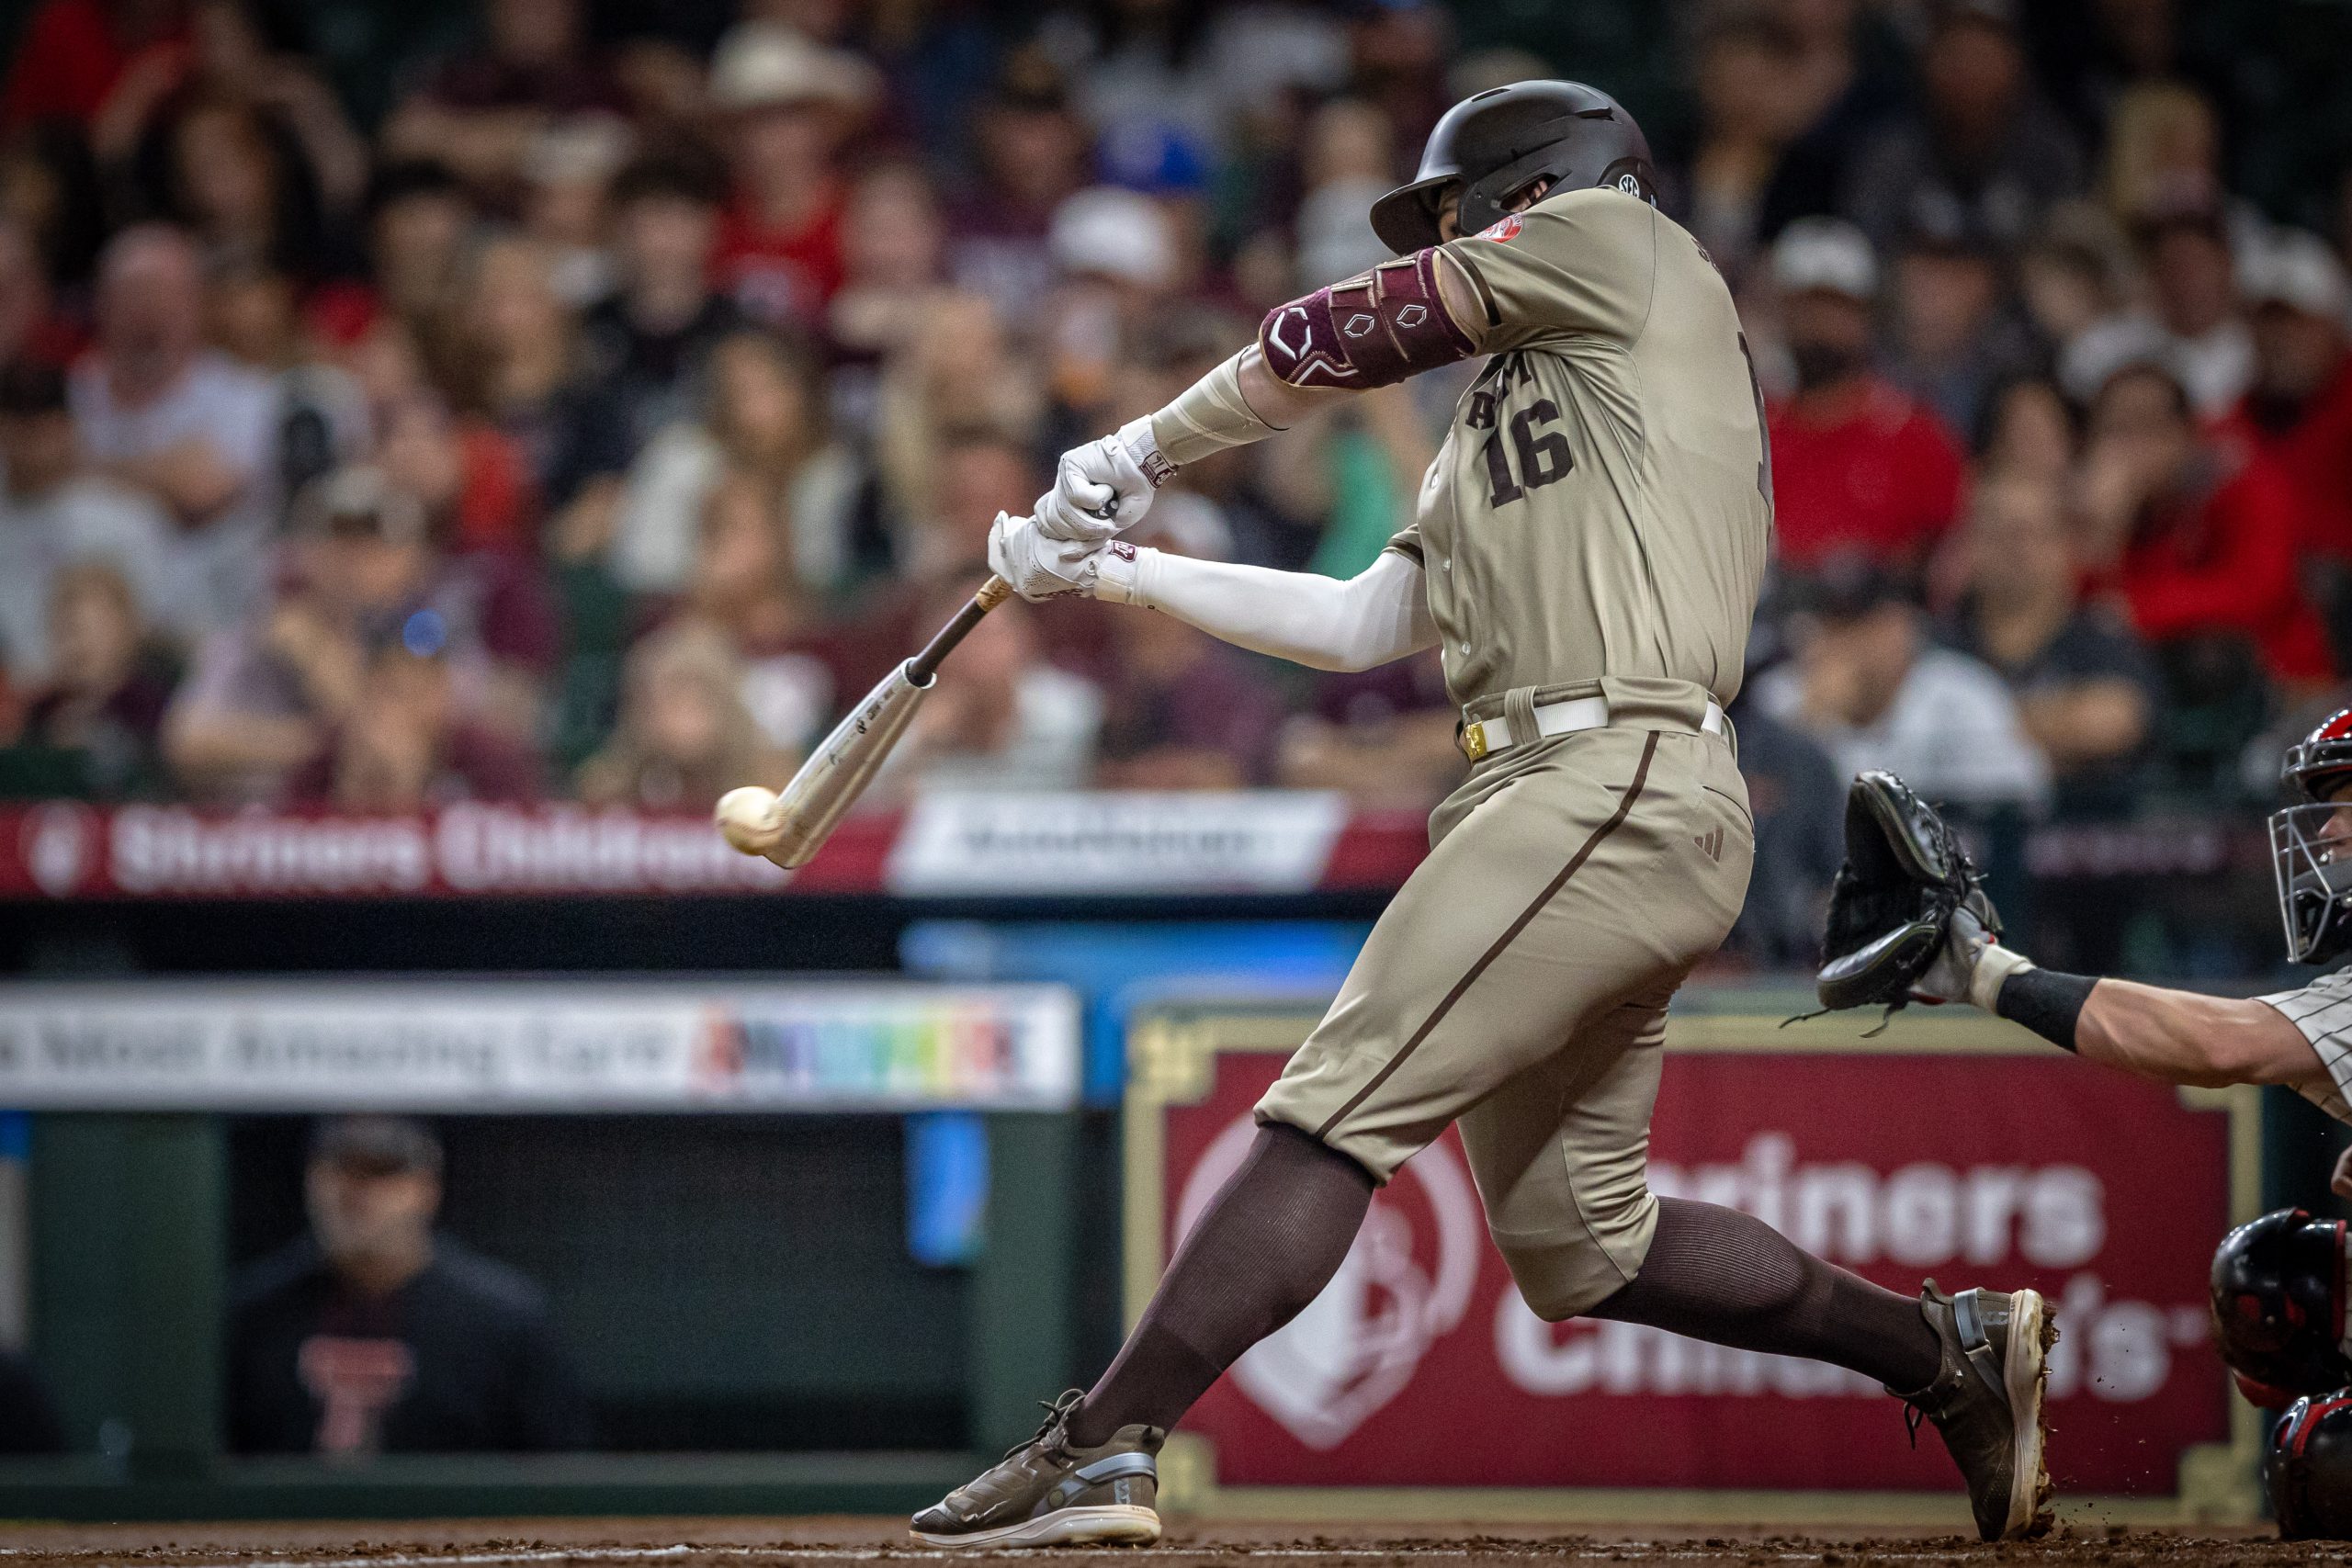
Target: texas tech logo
<point x="1407" y="1281"/>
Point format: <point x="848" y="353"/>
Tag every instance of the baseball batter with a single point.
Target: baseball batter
<point x="1586" y="555"/>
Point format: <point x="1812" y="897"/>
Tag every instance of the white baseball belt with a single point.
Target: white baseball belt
<point x="1484" y="738"/>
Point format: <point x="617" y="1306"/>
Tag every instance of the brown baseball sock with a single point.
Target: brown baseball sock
<point x="1267" y="1245"/>
<point x="1728" y="1278"/>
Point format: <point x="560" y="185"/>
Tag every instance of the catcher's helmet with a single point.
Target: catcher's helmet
<point x="1498" y="143"/>
<point x="2278" y="1303"/>
<point x="2310" y="856"/>
<point x="2308" y="1470"/>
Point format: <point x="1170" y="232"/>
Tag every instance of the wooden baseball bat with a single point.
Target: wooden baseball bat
<point x="791" y="827"/>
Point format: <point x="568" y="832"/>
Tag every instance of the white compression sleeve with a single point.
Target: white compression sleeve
<point x="1380" y="614"/>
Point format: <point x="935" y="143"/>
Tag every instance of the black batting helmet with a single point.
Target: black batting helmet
<point x="2310" y="858"/>
<point x="2278" y="1303"/>
<point x="1498" y="143"/>
<point x="2307" y="1469"/>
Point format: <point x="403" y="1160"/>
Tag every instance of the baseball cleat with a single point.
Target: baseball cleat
<point x="1047" y="1491"/>
<point x="1986" y="1402"/>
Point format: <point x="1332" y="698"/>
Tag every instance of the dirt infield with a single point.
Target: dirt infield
<point x="786" y="1544"/>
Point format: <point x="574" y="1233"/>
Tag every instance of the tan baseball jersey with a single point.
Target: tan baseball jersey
<point x="1598" y="516"/>
<point x="1602" y="504"/>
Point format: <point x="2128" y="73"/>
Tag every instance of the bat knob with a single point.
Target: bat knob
<point x="747" y="819"/>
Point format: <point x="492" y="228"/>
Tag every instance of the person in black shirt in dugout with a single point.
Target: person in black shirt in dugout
<point x="29" y="1419"/>
<point x="375" y="1335"/>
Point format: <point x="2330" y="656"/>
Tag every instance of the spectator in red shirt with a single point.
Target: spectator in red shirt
<point x="2299" y="411"/>
<point x="73" y="53"/>
<point x="788" y="104"/>
<point x="2198" y="546"/>
<point x="1858" y="464"/>
<point x="470" y="475"/>
<point x="30" y="325"/>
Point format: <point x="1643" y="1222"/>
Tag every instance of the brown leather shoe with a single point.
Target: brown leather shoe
<point x="1048" y="1493"/>
<point x="1986" y="1402"/>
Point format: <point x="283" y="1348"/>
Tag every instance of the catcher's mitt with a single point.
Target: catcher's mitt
<point x="1906" y="872"/>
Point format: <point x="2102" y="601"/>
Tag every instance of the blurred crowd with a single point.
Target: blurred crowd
<point x="597" y="406"/>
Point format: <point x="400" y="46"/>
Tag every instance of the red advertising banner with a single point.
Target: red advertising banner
<point x="1095" y="843"/>
<point x="1918" y="1155"/>
<point x="1115" y="844"/>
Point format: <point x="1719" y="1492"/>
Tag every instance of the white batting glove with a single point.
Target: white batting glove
<point x="1104" y="487"/>
<point x="1037" y="566"/>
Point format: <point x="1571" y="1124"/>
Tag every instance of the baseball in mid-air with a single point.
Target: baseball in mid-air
<point x="747" y="817"/>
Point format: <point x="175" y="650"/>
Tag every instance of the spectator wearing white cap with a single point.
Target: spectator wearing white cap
<point x="1859" y="465"/>
<point x="2299" y="411"/>
<point x="1350" y="151"/>
<point x="788" y="104"/>
<point x="1120" y="236"/>
<point x="1116" y="255"/>
<point x="2191" y="324"/>
<point x="567" y="173"/>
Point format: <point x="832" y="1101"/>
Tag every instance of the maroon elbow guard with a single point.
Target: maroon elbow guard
<point x="1373" y="330"/>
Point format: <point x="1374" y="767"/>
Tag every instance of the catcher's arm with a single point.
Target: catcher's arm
<point x="1908" y="919"/>
<point x="2179" y="1036"/>
<point x="2154" y="1032"/>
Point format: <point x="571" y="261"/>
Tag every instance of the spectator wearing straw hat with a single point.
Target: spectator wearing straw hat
<point x="788" y="104"/>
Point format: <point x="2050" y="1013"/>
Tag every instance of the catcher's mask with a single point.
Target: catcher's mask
<point x="2311" y="844"/>
<point x="2307" y="1469"/>
<point x="1495" y="145"/>
<point x="2278" y="1296"/>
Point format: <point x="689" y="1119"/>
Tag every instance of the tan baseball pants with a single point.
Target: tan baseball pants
<point x="1518" y="982"/>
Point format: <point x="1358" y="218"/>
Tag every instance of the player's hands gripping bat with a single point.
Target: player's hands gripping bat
<point x="790" y="828"/>
<point x="1907" y="905"/>
<point x="1039" y="566"/>
<point x="1104" y="487"/>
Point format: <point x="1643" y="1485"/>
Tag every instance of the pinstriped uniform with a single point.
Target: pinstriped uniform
<point x="2323" y="1011"/>
<point x="1596" y="523"/>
